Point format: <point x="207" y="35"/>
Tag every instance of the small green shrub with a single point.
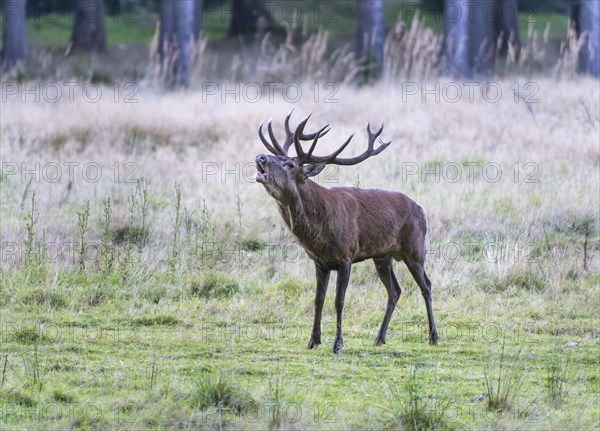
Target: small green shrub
<point x="252" y="244"/>
<point x="153" y="293"/>
<point x="520" y="280"/>
<point x="28" y="336"/>
<point x="290" y="287"/>
<point x="17" y="396"/>
<point x="214" y="285"/>
<point x="130" y="235"/>
<point x="158" y="319"/>
<point x="39" y="296"/>
<point x="59" y="394"/>
<point x="219" y="390"/>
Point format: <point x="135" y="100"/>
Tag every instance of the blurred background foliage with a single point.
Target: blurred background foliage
<point x="368" y="39"/>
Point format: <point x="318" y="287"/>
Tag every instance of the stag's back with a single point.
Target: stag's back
<point x="358" y="224"/>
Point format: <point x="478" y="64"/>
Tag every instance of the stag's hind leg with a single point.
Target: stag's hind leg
<point x="418" y="272"/>
<point x="387" y="277"/>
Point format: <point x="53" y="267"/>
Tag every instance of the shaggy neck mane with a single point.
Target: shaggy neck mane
<point x="306" y="212"/>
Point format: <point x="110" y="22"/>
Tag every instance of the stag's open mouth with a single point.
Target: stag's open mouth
<point x="261" y="173"/>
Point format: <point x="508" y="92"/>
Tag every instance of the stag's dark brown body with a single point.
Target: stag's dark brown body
<point x="345" y="224"/>
<point x="341" y="226"/>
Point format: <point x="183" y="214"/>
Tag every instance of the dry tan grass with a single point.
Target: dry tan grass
<point x="178" y="138"/>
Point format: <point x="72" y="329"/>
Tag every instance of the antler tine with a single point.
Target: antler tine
<point x="320" y="159"/>
<point x="333" y="155"/>
<point x="275" y="150"/>
<point x="381" y="142"/>
<point x="310" y="136"/>
<point x="373" y="136"/>
<point x="289" y="139"/>
<point x="318" y="135"/>
<point x="300" y="136"/>
<point x="287" y="122"/>
<point x="333" y="159"/>
<point x="297" y="134"/>
<point x="276" y="144"/>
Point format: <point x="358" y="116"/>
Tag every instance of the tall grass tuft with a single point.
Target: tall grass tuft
<point x="276" y="395"/>
<point x="31" y="220"/>
<point x="82" y="229"/>
<point x="503" y="381"/>
<point x="557" y="375"/>
<point x="161" y="70"/>
<point x="32" y="374"/>
<point x="311" y="59"/>
<point x="107" y="240"/>
<point x="176" y="225"/>
<point x="413" y="410"/>
<point x="411" y="51"/>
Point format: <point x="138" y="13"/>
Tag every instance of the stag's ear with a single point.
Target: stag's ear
<point x="312" y="169"/>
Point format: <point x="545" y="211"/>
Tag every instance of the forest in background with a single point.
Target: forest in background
<point x="171" y="42"/>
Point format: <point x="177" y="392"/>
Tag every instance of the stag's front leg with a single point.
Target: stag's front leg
<point x="322" y="282"/>
<point x="342" y="283"/>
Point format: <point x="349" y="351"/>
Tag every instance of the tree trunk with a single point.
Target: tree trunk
<point x="370" y="34"/>
<point x="198" y="17"/>
<point x="166" y="38"/>
<point x="246" y="15"/>
<point x="508" y="24"/>
<point x="589" y="30"/>
<point x="88" y="29"/>
<point x="471" y="34"/>
<point x="14" y="39"/>
<point x="184" y="23"/>
<point x="456" y="38"/>
<point x="482" y="36"/>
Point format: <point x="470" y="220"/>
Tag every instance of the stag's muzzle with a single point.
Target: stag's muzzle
<point x="261" y="168"/>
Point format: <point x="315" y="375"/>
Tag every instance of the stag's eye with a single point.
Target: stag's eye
<point x="288" y="165"/>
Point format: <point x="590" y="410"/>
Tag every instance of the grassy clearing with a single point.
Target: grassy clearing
<point x="176" y="298"/>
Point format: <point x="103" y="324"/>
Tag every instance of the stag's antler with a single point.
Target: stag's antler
<point x="275" y="147"/>
<point x="304" y="158"/>
<point x="333" y="158"/>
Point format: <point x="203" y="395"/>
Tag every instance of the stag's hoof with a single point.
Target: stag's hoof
<point x="337" y="346"/>
<point x="379" y="341"/>
<point x="312" y="343"/>
<point x="433" y="338"/>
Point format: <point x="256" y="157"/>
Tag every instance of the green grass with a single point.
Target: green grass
<point x="55" y="32"/>
<point x="208" y="360"/>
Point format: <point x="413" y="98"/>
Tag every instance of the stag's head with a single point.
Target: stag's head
<point x="281" y="174"/>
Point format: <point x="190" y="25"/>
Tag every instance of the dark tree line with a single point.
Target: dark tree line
<point x="370" y="36"/>
<point x="14" y="35"/>
<point x="177" y="35"/>
<point x="88" y="26"/>
<point x="473" y="28"/>
<point x="471" y="32"/>
<point x="585" y="16"/>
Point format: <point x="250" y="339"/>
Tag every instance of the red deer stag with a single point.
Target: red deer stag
<point x="343" y="225"/>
